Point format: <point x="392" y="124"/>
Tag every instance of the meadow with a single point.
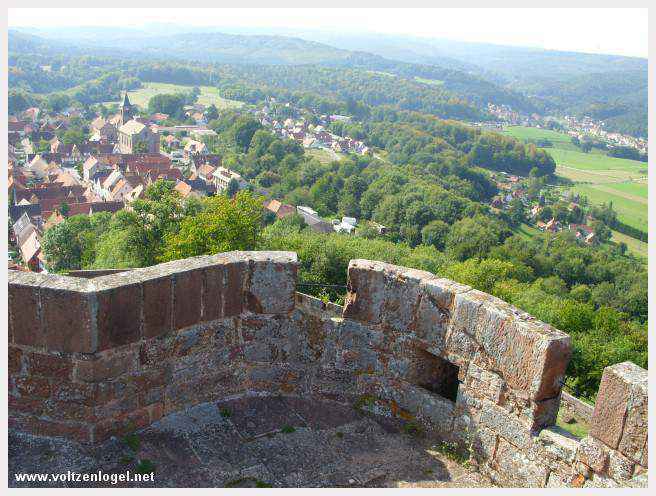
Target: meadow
<point x="208" y="95"/>
<point x="601" y="178"/>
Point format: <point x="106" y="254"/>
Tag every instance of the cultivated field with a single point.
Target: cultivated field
<point x="559" y="140"/>
<point x="431" y="82"/>
<point x="599" y="177"/>
<point x="635" y="246"/>
<point x="323" y="155"/>
<point x="208" y="95"/>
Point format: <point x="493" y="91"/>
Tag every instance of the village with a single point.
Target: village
<point x="546" y="209"/>
<point x="583" y="128"/>
<point x="50" y="180"/>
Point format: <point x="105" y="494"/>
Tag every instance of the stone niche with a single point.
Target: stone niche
<point x="102" y="356"/>
<point x="437" y="375"/>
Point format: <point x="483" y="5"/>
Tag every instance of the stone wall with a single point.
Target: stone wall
<point x="573" y="408"/>
<point x="91" y="358"/>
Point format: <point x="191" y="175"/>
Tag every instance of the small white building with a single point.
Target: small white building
<point x="223" y="176"/>
<point x="347" y="225"/>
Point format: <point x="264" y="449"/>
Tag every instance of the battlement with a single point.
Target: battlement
<point x="94" y="357"/>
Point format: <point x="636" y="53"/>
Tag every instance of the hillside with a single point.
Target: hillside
<point x="557" y="81"/>
<point x="263" y="50"/>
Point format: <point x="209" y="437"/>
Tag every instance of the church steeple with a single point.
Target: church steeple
<point x="127" y="111"/>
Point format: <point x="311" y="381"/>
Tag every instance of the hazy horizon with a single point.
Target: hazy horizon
<point x="596" y="31"/>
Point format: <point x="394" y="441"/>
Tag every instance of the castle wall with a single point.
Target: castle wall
<point x="92" y="358"/>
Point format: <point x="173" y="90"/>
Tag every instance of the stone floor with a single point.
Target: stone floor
<point x="254" y="442"/>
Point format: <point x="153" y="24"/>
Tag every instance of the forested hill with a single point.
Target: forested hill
<point x="604" y="87"/>
<point x="608" y="87"/>
<point x="220" y="48"/>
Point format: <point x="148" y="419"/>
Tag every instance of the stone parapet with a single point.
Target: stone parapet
<point x="92" y="358"/>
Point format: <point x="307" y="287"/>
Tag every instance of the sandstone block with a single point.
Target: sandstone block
<point x="24" y="316"/>
<point x="187" y="298"/>
<point x="506" y="425"/>
<point x="68" y="312"/>
<point x="620" y="468"/>
<point x="223" y="294"/>
<point x="54" y="366"/>
<point x="433" y="313"/>
<point x="516" y="469"/>
<point x="78" y="431"/>
<point x="593" y="454"/>
<point x="272" y="282"/>
<point x="366" y="291"/>
<point x="403" y="291"/>
<point x="119" y="315"/>
<point x="33" y="387"/>
<point x="558" y="443"/>
<point x="108" y="365"/>
<point x="157" y="306"/>
<point x="531" y="356"/>
<point x="620" y="415"/>
<point x="484" y="444"/>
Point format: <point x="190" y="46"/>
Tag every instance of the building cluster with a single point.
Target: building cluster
<point x="584" y="127"/>
<point x="315" y="136"/>
<point x="311" y="218"/>
<point x="513" y="188"/>
<point x="113" y="167"/>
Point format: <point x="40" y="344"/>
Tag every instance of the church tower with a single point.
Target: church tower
<point x="127" y="111"/>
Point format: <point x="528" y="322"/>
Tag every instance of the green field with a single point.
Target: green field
<point x="635" y="246"/>
<point x="599" y="177"/>
<point x="629" y="211"/>
<point x="208" y="95"/>
<point x="324" y="156"/>
<point x="595" y="162"/>
<point x="431" y="82"/>
<point x="526" y="231"/>
<point x="559" y="140"/>
<point x="633" y="188"/>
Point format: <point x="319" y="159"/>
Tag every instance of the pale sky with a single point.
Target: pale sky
<point x="613" y="31"/>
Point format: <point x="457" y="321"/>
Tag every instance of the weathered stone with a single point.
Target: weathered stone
<point x="620" y="468"/>
<point x="119" y="316"/>
<point x="540" y="414"/>
<point x="599" y="481"/>
<point x="531" y="357"/>
<point x="559" y="444"/>
<point x="593" y="454"/>
<point x="78" y="431"/>
<point x="223" y="294"/>
<point x="403" y="292"/>
<point x="68" y="315"/>
<point x="16" y="362"/>
<point x="187" y="298"/>
<point x="366" y="291"/>
<point x="434" y="309"/>
<point x="108" y="365"/>
<point x="272" y="282"/>
<point x="24" y="315"/>
<point x="484" y="384"/>
<point x="516" y="469"/>
<point x="157" y="306"/>
<point x="55" y="366"/>
<point x="634" y="441"/>
<point x="38" y="387"/>
<point x="506" y="425"/>
<point x="484" y="444"/>
<point x="620" y="414"/>
<point x="639" y="481"/>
